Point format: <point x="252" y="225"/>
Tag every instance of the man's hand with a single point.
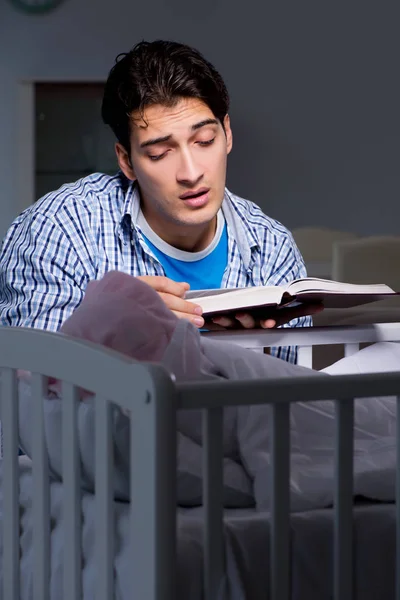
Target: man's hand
<point x="173" y="295"/>
<point x="269" y="320"/>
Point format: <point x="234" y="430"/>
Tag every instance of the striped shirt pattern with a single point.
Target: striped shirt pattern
<point x="87" y="228"/>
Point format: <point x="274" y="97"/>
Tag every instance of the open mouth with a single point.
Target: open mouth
<point x="193" y="194"/>
<point x="197" y="199"/>
<point x="197" y="195"/>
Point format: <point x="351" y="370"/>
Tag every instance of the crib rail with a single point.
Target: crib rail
<point x="343" y="390"/>
<point x="308" y="338"/>
<point x="154" y="406"/>
<point x="115" y="380"/>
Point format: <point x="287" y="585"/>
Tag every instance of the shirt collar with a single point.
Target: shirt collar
<point x="235" y="217"/>
<point x="130" y="202"/>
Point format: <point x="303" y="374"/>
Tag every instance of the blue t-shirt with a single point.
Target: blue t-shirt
<point x="201" y="270"/>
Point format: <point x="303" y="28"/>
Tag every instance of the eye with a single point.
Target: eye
<point x="206" y="143"/>
<point x="155" y="157"/>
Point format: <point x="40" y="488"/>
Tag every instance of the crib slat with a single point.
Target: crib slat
<point x="280" y="501"/>
<point x="212" y="501"/>
<point x="41" y="493"/>
<point x="350" y="349"/>
<point x="397" y="563"/>
<point x="104" y="500"/>
<point x="153" y="458"/>
<point x="9" y="418"/>
<point x="343" y="501"/>
<point x="72" y="496"/>
<point x="305" y="356"/>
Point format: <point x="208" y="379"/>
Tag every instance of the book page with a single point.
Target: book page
<point x="192" y="294"/>
<point x="311" y="284"/>
<point x="237" y="298"/>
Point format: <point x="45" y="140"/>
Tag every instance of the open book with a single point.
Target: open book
<point x="332" y="294"/>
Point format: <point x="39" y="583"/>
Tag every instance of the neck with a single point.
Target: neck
<point x="190" y="238"/>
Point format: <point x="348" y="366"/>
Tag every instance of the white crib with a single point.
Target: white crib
<point x="153" y="512"/>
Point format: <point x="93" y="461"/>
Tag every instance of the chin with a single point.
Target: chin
<point x="200" y="217"/>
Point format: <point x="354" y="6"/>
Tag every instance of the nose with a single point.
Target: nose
<point x="189" y="171"/>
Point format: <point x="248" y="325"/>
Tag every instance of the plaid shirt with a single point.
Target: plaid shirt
<point x="84" y="229"/>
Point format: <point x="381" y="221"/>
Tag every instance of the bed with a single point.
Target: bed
<point x="207" y="552"/>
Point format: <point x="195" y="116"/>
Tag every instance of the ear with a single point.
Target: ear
<point x="124" y="161"/>
<point x="228" y="133"/>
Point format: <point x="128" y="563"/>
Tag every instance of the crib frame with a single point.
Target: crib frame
<point x="308" y="338"/>
<point x="155" y="404"/>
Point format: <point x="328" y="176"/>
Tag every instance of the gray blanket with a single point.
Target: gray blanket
<point x="312" y="424"/>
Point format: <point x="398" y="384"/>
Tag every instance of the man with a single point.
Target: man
<point x="165" y="217"/>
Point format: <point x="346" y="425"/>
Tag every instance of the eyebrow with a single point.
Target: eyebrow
<point x="165" y="138"/>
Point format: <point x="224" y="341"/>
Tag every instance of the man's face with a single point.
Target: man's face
<point x="178" y="157"/>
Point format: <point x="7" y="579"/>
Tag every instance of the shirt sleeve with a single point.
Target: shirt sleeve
<point x="42" y="279"/>
<point x="288" y="266"/>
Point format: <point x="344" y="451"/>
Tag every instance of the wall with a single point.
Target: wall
<point x="314" y="85"/>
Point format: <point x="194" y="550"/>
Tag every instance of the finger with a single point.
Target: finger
<point x="211" y="326"/>
<point x="225" y="322"/>
<point x="269" y="324"/>
<point x="165" y="285"/>
<point x="285" y="315"/>
<point x="246" y="320"/>
<point x="196" y="320"/>
<point x="180" y="305"/>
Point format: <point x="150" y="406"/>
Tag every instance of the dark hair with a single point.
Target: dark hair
<point x="159" y="72"/>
